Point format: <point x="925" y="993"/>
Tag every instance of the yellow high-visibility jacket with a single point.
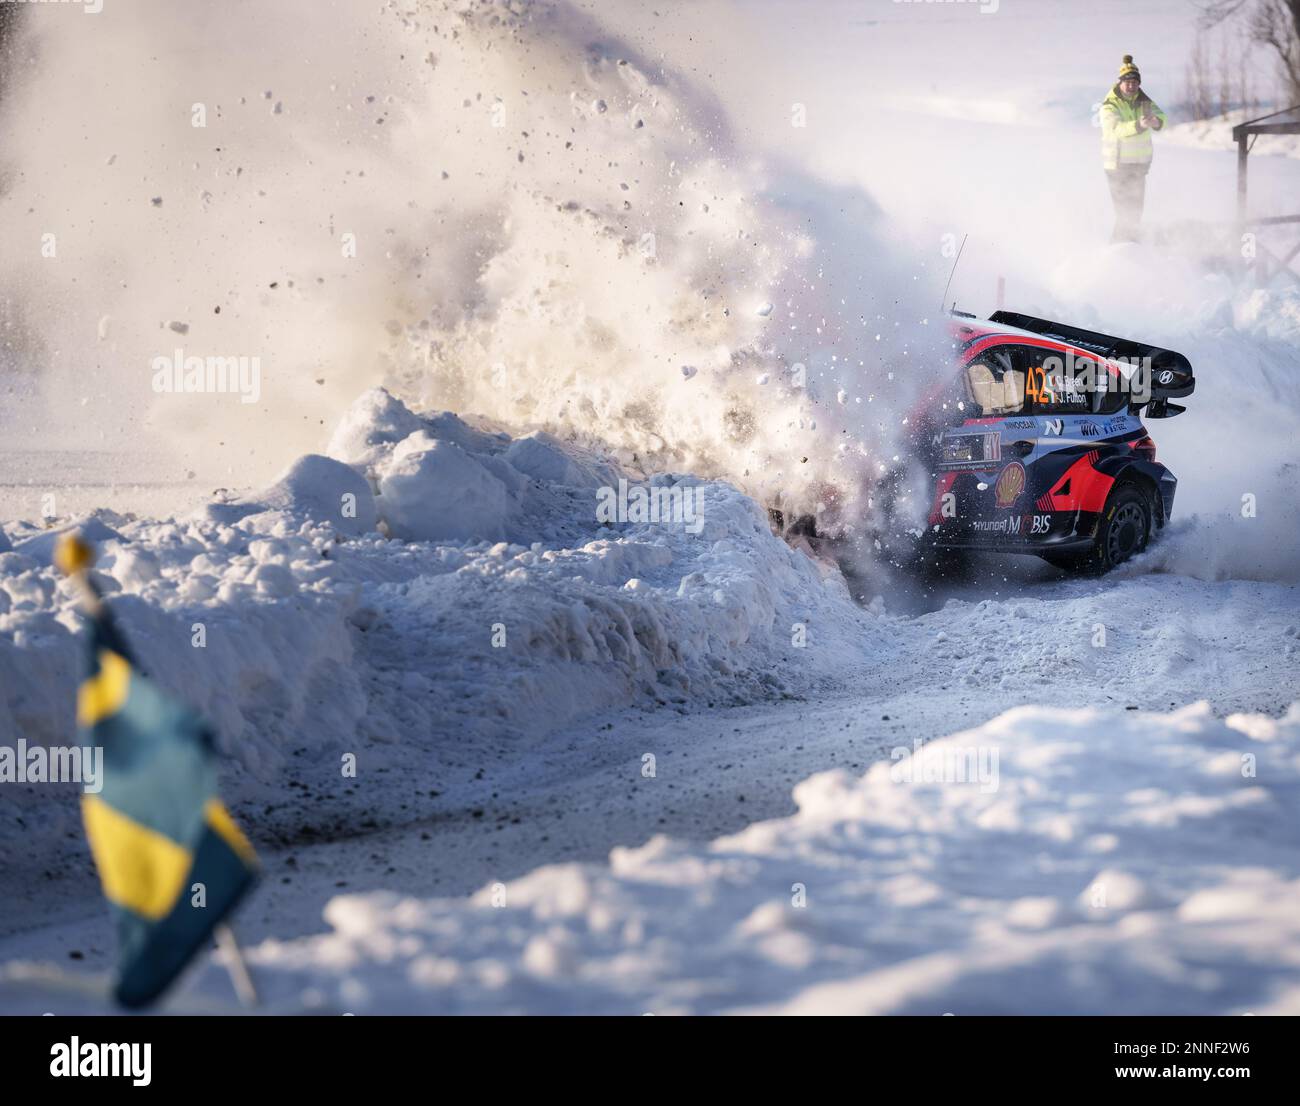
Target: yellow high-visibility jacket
<point x="1122" y="143"/>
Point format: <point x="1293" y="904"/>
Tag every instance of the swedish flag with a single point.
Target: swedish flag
<point x="172" y="862"/>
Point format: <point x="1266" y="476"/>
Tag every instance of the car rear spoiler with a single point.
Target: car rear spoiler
<point x="1171" y="373"/>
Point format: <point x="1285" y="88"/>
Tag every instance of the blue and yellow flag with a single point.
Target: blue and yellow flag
<point x="172" y="862"/>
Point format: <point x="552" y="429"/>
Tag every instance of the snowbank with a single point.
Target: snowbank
<point x="1216" y="134"/>
<point x="1047" y="862"/>
<point x="510" y="608"/>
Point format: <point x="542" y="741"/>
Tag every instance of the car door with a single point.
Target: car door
<point x="982" y="471"/>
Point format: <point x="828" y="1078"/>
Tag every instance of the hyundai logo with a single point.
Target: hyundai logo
<point x="1166" y="377"/>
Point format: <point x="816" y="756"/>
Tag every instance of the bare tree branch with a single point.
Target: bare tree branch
<point x="1273" y="24"/>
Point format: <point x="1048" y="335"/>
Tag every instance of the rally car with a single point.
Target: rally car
<point x="1036" y="445"/>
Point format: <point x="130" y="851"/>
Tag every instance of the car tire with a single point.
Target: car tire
<point x="1126" y="525"/>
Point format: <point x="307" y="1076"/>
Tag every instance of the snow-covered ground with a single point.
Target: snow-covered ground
<point x="1216" y="134"/>
<point x="1046" y="862"/>
<point x="479" y="762"/>
<point x="621" y="762"/>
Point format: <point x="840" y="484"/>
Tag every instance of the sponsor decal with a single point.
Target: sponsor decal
<point x="972" y="451"/>
<point x="1115" y="425"/>
<point x="1039" y="524"/>
<point x="1050" y="385"/>
<point x="1011" y="482"/>
<point x="1053" y="427"/>
<point x="1038" y="386"/>
<point x="1009" y="525"/>
<point x="1088" y="429"/>
<point x="1020" y="424"/>
<point x="1166" y="377"/>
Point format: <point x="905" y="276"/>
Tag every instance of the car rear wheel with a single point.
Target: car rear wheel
<point x="1123" y="533"/>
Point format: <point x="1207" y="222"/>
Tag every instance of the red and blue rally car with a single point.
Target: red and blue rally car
<point x="1036" y="443"/>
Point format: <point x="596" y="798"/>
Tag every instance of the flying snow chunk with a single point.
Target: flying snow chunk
<point x="764" y="310"/>
<point x="689" y="371"/>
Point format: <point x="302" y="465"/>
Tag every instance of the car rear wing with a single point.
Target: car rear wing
<point x="1171" y="372"/>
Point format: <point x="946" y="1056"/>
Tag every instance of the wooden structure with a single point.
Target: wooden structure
<point x="1269" y="264"/>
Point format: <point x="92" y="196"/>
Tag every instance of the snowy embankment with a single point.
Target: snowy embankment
<point x="502" y="604"/>
<point x="1216" y="134"/>
<point x="1049" y="861"/>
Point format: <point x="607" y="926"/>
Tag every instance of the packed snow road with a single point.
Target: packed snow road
<point x="716" y="772"/>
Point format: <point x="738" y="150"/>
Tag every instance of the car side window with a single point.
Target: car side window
<point x="952" y="403"/>
<point x="995" y="385"/>
<point x="1112" y="393"/>
<point x="1052" y="390"/>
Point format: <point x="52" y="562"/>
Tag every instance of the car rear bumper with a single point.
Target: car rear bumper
<point x="1071" y="531"/>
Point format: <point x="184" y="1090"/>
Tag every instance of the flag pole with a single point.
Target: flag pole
<point x="74" y="557"/>
<point x="235" y="965"/>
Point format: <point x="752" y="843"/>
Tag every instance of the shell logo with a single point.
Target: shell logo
<point x="1011" y="482"/>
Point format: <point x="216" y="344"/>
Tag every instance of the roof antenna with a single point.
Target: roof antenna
<point x="944" y="298"/>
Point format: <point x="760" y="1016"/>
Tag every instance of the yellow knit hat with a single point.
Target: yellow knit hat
<point x="1128" y="69"/>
